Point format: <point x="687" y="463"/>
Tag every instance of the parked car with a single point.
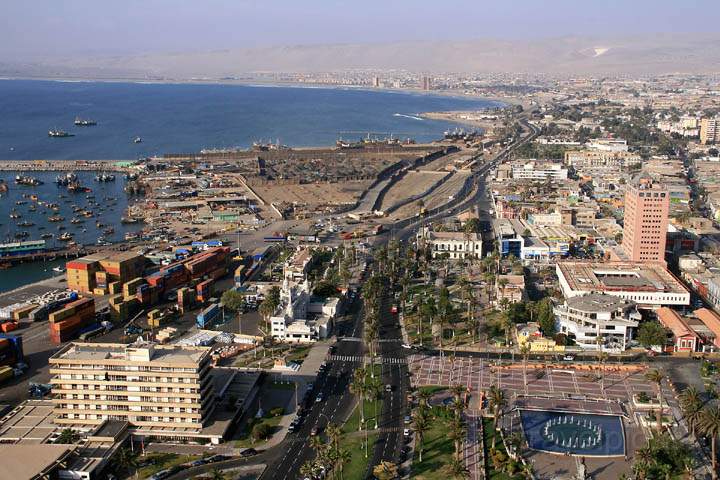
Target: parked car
<point x="248" y="452"/>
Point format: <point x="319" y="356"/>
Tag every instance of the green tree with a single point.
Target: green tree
<point x="691" y="404"/>
<point x="652" y="334"/>
<point x="359" y="387"/>
<point x="68" y="436"/>
<point x="656" y="377"/>
<point x="385" y="471"/>
<point x="496" y="400"/>
<point x="545" y="317"/>
<point x="260" y="431"/>
<point x="216" y="474"/>
<point x="457" y="470"/>
<point x="710" y="426"/>
<point x="233" y="300"/>
<point x="325" y="289"/>
<point x="124" y="460"/>
<point x="421" y="423"/>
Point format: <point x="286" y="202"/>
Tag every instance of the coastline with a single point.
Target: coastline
<point x="505" y="101"/>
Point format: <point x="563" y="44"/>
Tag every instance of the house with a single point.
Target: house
<point x="685" y="338"/>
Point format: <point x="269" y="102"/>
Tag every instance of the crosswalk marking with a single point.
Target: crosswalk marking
<point x="379" y="340"/>
<point x="366" y="359"/>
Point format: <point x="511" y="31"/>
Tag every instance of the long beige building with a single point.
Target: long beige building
<point x="153" y="387"/>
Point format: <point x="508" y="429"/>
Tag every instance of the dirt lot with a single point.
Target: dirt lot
<point x="312" y="193"/>
<point x="438" y="197"/>
<point x="413" y="183"/>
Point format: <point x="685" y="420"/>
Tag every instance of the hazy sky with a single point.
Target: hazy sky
<point x="30" y="28"/>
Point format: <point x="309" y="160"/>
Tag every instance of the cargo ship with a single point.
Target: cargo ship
<point x="84" y="122"/>
<point x="57" y="133"/>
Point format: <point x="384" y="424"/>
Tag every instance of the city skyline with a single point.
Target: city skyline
<point x="37" y="30"/>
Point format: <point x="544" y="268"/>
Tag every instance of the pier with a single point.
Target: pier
<point x="65" y="165"/>
<point x="74" y="252"/>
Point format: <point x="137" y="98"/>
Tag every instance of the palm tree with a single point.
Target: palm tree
<point x="656" y="377"/>
<point x="333" y="432"/>
<point x="342" y="458"/>
<point x="525" y="352"/>
<point x="68" y="436"/>
<point x="458" y="391"/>
<point x="216" y="474"/>
<point x="424" y="396"/>
<point x="691" y="405"/>
<point x="307" y="469"/>
<point x="358" y="386"/>
<point x="385" y="471"/>
<point x="125" y="460"/>
<point x="457" y="434"/>
<point x="602" y="358"/>
<point x="709" y="425"/>
<point x="456" y="468"/>
<point x="421" y="423"/>
<point x="496" y="399"/>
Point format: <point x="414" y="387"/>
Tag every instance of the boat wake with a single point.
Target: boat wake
<point x="407" y="116"/>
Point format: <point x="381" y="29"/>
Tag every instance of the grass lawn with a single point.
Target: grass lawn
<point x="492" y="473"/>
<point x="297" y="354"/>
<point x="354" y="441"/>
<point x="245" y="441"/>
<point x="162" y="461"/>
<point x="432" y="389"/>
<point x="438" y="451"/>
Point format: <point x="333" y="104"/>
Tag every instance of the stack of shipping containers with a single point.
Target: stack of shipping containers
<point x="72" y="320"/>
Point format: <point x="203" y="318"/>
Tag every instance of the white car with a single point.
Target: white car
<point x="407" y="432"/>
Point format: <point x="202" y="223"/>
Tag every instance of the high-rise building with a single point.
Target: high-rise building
<point x="646" y="221"/>
<point x="426" y="83"/>
<point x="153" y="387"/>
<point x="376" y="82"/>
<point x="709" y="130"/>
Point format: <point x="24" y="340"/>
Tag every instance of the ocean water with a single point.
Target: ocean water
<point x="172" y="118"/>
<point x="187" y="118"/>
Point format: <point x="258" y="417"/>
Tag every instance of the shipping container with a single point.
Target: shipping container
<point x="6" y="373"/>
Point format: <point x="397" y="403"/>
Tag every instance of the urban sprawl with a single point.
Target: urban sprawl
<point x="535" y="294"/>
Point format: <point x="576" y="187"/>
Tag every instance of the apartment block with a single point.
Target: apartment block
<point x="153" y="387"/>
<point x="709" y="132"/>
<point x="646" y="221"/>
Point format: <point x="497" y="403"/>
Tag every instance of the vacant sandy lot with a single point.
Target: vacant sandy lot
<point x="413" y="183"/>
<point x="439" y="196"/>
<point x="312" y="193"/>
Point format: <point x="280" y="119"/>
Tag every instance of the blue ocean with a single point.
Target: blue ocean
<point x="172" y="118"/>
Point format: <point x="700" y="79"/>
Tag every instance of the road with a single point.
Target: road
<point x="336" y="406"/>
<point x="390" y="436"/>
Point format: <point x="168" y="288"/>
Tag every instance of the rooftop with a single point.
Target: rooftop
<point x="598" y="302"/>
<point x="32" y="461"/>
<point x="120" y="352"/>
<point x="619" y="276"/>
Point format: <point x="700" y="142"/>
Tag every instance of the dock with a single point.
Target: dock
<point x="74" y="252"/>
<point x="65" y="165"/>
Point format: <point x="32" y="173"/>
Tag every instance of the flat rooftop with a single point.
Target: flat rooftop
<point x="102" y="352"/>
<point x="597" y="302"/>
<point x="31" y="422"/>
<point x="619" y="276"/>
<point x="31" y="461"/>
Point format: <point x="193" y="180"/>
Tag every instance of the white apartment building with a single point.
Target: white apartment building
<point x="595" y="316"/>
<point x="609" y="144"/>
<point x="153" y="387"/>
<point x="458" y="245"/>
<point x="541" y="171"/>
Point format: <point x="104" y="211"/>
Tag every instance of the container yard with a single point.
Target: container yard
<point x="72" y="321"/>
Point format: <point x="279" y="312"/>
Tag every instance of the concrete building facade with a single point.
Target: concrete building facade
<point x="646" y="221"/>
<point x="150" y="386"/>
